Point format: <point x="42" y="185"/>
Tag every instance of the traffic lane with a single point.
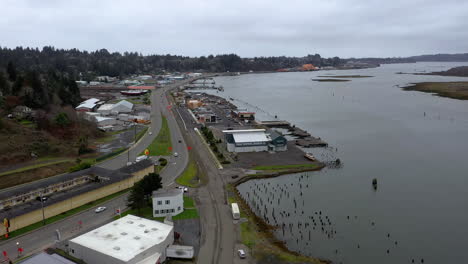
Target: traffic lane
<point x="69" y="227"/>
<point x="122" y="159"/>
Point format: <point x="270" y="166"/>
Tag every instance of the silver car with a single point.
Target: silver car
<point x="100" y="209"/>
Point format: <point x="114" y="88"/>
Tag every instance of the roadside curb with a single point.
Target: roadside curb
<point x="209" y="149"/>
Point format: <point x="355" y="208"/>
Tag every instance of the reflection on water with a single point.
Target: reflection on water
<point x="414" y="143"/>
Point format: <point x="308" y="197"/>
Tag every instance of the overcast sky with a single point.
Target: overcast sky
<point x="345" y="28"/>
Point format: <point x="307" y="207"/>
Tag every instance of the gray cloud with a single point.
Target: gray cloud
<point x="343" y="28"/>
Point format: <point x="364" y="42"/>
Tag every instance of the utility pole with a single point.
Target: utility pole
<point x="42" y="207"/>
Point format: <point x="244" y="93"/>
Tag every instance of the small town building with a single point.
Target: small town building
<point x="277" y="141"/>
<point x="22" y="111"/>
<point x="128" y="240"/>
<point x="123" y="107"/>
<point x="168" y="202"/>
<point x="105" y="121"/>
<point x="254" y="140"/>
<point x="243" y="115"/>
<point x="193" y="104"/>
<point x="44" y="258"/>
<point x="114" y="109"/>
<point x="248" y="140"/>
<point x="88" y="105"/>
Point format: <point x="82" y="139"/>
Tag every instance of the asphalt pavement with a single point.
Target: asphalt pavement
<point x="44" y="237"/>
<point x="217" y="227"/>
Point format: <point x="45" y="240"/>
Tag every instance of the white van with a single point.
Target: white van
<point x="140" y="158"/>
<point x="235" y="211"/>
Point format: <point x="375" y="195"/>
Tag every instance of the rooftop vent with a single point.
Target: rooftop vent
<point x="129" y="222"/>
<point x="137" y="238"/>
<point x="116" y="248"/>
<point x="154" y="229"/>
<point x="141" y="225"/>
<point x="123" y="233"/>
<point x="146" y="231"/>
<point x="109" y="235"/>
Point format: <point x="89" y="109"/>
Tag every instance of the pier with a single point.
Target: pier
<point x="274" y="123"/>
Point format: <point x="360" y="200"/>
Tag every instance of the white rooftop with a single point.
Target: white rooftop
<point x="101" y="118"/>
<point x="125" y="103"/>
<point x="90" y="103"/>
<point x="106" y="107"/>
<point x="248" y="135"/>
<point x="126" y="237"/>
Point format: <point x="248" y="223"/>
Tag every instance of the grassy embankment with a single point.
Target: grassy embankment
<point x="63" y="215"/>
<point x="454" y="90"/>
<point x="258" y="236"/>
<point x="189" y="212"/>
<point x="161" y="144"/>
<point x="191" y="176"/>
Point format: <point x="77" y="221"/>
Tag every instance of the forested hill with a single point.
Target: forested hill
<point x="102" y="62"/>
<point x="441" y="57"/>
<point x="37" y="87"/>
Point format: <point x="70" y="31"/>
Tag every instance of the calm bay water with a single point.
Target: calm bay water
<point x="414" y="143"/>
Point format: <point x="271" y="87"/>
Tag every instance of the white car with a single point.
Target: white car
<point x="241" y="253"/>
<point x="100" y="209"/>
<point x="150" y="133"/>
<point x="175" y="154"/>
<point x="185" y="189"/>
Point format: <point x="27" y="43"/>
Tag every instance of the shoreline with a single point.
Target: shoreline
<point x="453" y="90"/>
<point x="266" y="230"/>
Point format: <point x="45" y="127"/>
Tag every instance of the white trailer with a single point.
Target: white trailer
<point x="235" y="211"/>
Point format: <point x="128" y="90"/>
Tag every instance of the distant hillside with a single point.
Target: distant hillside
<point x="86" y="65"/>
<point x="413" y="59"/>
<point x="441" y="57"/>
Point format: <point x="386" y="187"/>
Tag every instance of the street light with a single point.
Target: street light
<point x="42" y="207"/>
<point x="18" y="248"/>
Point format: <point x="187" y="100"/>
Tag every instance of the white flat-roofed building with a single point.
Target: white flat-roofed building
<point x="168" y="202"/>
<point x="128" y="240"/>
<point x="248" y="140"/>
<point x="254" y="140"/>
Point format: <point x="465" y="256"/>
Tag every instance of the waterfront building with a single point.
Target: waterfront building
<point x="254" y="140"/>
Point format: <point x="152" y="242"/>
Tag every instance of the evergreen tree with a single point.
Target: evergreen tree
<point x="136" y="199"/>
<point x="11" y="70"/>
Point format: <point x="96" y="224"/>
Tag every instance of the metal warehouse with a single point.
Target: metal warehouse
<point x="254" y="140"/>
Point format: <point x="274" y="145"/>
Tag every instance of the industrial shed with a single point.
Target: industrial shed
<point x="254" y="140"/>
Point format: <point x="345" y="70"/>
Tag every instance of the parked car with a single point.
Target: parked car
<point x="44" y="198"/>
<point x="185" y="189"/>
<point x="150" y="133"/>
<point x="176" y="154"/>
<point x="241" y="253"/>
<point x="180" y="141"/>
<point x="100" y="209"/>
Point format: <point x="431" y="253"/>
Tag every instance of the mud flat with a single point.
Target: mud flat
<point x="345" y="76"/>
<point x="330" y="80"/>
<point x="454" y="90"/>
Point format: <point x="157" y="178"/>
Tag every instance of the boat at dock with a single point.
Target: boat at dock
<point x="310" y="157"/>
<point x="133" y="92"/>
